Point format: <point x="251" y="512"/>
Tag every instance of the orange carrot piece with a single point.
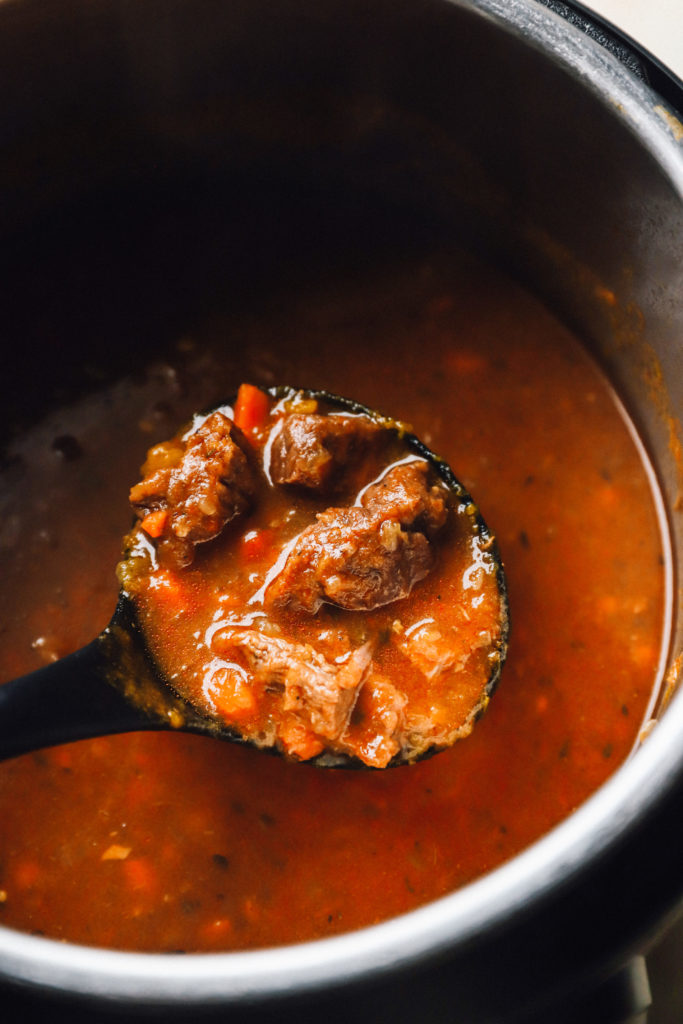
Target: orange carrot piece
<point x="255" y="543"/>
<point x="154" y="522"/>
<point x="251" y="408"/>
<point x="233" y="698"/>
<point x="168" y="588"/>
<point x="298" y="741"/>
<point x="140" y="874"/>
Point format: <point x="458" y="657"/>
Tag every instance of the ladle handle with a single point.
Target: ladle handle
<point x="70" y="699"/>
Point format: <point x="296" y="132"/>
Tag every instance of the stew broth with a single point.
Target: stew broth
<point x="166" y="842"/>
<point x="310" y="580"/>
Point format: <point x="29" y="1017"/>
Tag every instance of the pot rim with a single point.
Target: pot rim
<point x="516" y="887"/>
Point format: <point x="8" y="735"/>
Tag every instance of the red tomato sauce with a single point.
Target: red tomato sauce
<point x="166" y="842"/>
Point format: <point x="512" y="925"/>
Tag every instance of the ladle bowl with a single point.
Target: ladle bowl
<point x="114" y="684"/>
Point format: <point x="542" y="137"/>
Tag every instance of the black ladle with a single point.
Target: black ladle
<point x="112" y="685"/>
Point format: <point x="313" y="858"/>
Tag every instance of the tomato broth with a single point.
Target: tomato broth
<point x="169" y="842"/>
<point x="309" y="579"/>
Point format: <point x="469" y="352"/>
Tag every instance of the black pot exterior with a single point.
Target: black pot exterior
<point x="264" y="139"/>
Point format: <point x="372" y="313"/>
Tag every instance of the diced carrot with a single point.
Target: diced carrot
<point x="251" y="408"/>
<point x="297" y="740"/>
<point x="168" y="589"/>
<point x="643" y="654"/>
<point x="256" y="543"/>
<point x="140" y="874"/>
<point x="154" y="522"/>
<point x="232" y="696"/>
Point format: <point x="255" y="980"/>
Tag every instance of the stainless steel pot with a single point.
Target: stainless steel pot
<point x="268" y="138"/>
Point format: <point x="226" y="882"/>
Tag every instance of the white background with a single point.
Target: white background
<point x="656" y="24"/>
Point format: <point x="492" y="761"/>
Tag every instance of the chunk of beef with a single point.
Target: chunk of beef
<point x="366" y="556"/>
<point x="321" y="692"/>
<point x="402" y="494"/>
<point x="200" y="484"/>
<point x="308" y="448"/>
<point x="354" y="559"/>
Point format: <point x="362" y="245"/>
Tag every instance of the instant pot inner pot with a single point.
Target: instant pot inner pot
<point x="165" y="161"/>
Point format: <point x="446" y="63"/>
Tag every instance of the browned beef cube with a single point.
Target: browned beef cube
<point x="402" y="494"/>
<point x="202" y="485"/>
<point x="309" y="448"/>
<point x="353" y="559"/>
<point x="363" y="557"/>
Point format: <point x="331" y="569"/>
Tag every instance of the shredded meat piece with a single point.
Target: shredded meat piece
<point x="366" y="556"/>
<point x="308" y="448"/>
<point x="201" y="486"/>
<point x="319" y="691"/>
